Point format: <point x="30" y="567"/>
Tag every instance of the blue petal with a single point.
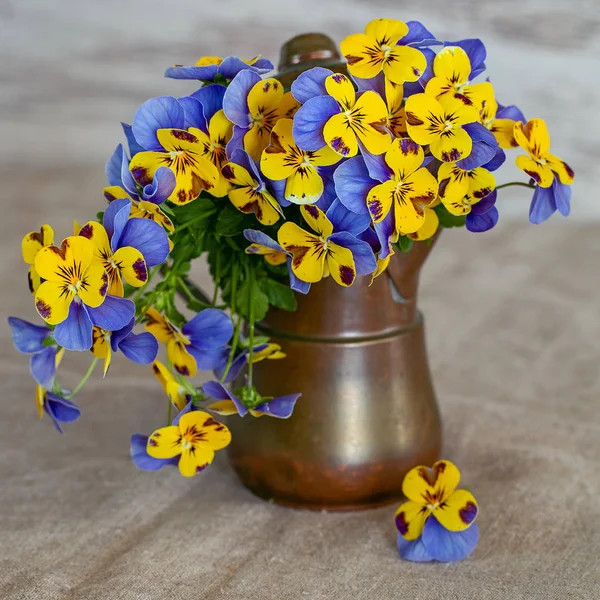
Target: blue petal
<point x="497" y="161"/>
<point x="485" y="204"/>
<point x="281" y="407"/>
<point x="127" y="180"/>
<point x="329" y="194"/>
<point x="115" y="218"/>
<point x="118" y="336"/>
<point x="413" y="550"/>
<point x="481" y="154"/>
<point x="385" y="230"/>
<point x="113" y="166"/>
<point x="364" y="259"/>
<point x="418" y="36"/>
<point x="477" y="54"/>
<point x="236" y="143"/>
<point x="478" y="223"/>
<point x="510" y="112"/>
<point x="242" y="158"/>
<point x="134" y="147"/>
<point x="344" y="219"/>
<point x="211" y="99"/>
<point x="277" y="188"/>
<point x="162" y="186"/>
<point x="75" y="332"/>
<point x="232" y="65"/>
<point x="369" y="236"/>
<point x="193" y="113"/>
<point x="562" y="196"/>
<point x="310" y="83"/>
<point x="258" y="237"/>
<point x="376" y="166"/>
<point x="204" y="73"/>
<point x="149" y="238"/>
<point x="353" y="183"/>
<point x="60" y="410"/>
<point x="113" y="314"/>
<point x="209" y="359"/>
<point x="543" y="205"/>
<point x="43" y="367"/>
<point x="302" y="287"/>
<point x="189" y="407"/>
<point x="310" y="120"/>
<point x="26" y="336"/>
<point x="140" y="348"/>
<point x="235" y="100"/>
<point x="210" y="328"/>
<point x="163" y="112"/>
<point x="237" y="365"/>
<point x="479" y="133"/>
<point x="140" y="457"/>
<point x="448" y="546"/>
<point x="375" y="84"/>
<point x="218" y="391"/>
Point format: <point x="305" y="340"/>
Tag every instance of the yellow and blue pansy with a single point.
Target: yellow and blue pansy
<point x="500" y="120"/>
<point x="59" y="409"/>
<point x="260" y="352"/>
<point x="172" y="388"/>
<point x="209" y="68"/>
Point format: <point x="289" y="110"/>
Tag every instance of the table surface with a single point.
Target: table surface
<point x="513" y="325"/>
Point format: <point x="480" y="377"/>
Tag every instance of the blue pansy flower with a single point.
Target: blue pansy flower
<point x="59" y="409"/>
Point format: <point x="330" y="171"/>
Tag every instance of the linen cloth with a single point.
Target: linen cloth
<point x="513" y="326"/>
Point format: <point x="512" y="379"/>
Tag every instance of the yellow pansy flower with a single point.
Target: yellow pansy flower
<point x="459" y="189"/>
<point x="172" y="388"/>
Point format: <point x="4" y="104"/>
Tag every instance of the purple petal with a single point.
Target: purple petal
<point x="60" y="410"/>
<point x="280" y="408"/>
<point x="115" y="218"/>
<point x="189" y="407"/>
<point x="344" y="219"/>
<point x="497" y="161"/>
<point x="376" y="166"/>
<point x="353" y="183"/>
<point x="418" y="36"/>
<point x="242" y="158"/>
<point x="26" y="336"/>
<point x="163" y="112"/>
<point x="385" y="230"/>
<point x="428" y="74"/>
<point x="236" y="142"/>
<point x="562" y="196"/>
<point x="127" y="180"/>
<point x="413" y="550"/>
<point x="43" y="367"/>
<point x="113" y="166"/>
<point x="75" y="332"/>
<point x="310" y="84"/>
<point x="209" y="359"/>
<point x="118" y="336"/>
<point x="162" y="186"/>
<point x="329" y="193"/>
<point x="476" y="52"/>
<point x="211" y="99"/>
<point x="448" y="546"/>
<point x="369" y="236"/>
<point x="302" y="287"/>
<point x="258" y="237"/>
<point x="204" y="73"/>
<point x="218" y="391"/>
<point x="510" y="112"/>
<point x="481" y="154"/>
<point x="113" y="314"/>
<point x="235" y="100"/>
<point x="140" y="348"/>
<point x="478" y="223"/>
<point x="134" y="147"/>
<point x="375" y="84"/>
<point x="479" y="133"/>
<point x="237" y="365"/>
<point x="485" y="204"/>
<point x="310" y="120"/>
<point x="193" y="113"/>
<point x="543" y="205"/>
<point x="149" y="238"/>
<point x="364" y="259"/>
<point x="277" y="188"/>
<point x="210" y="328"/>
<point x="232" y="65"/>
<point x="140" y="457"/>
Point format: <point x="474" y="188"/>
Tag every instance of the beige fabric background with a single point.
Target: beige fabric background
<point x="513" y="324"/>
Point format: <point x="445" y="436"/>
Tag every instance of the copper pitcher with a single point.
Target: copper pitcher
<point x="368" y="411"/>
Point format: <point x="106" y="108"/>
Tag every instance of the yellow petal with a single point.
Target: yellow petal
<point x="453" y="64"/>
<point x="273" y="257"/>
<point x="132" y="265"/>
<point x="458" y="109"/>
<point x="194" y="461"/>
<point x="238" y="175"/>
<point x="380" y="199"/>
<point x="423" y="115"/>
<point x="369" y="119"/>
<point x="160" y="327"/>
<point x="386" y="31"/>
<point x="458" y="511"/>
<point x="165" y="442"/>
<point x="304" y="186"/>
<point x="481" y="182"/>
<point x="214" y="434"/>
<point x="362" y="61"/>
<point x="34" y="241"/>
<point x="429" y="227"/>
<point x="288" y="106"/>
<point x="264" y="98"/>
<point x="404" y="64"/>
<point x="561" y="168"/>
<point x="382" y="265"/>
<point x="96" y="233"/>
<point x="281" y="157"/>
<point x="340" y="136"/>
<point x="40" y="398"/>
<point x="75" y="252"/>
<point x="176" y="394"/>
<point x="503" y="130"/>
<point x="256" y="140"/>
<point x="408" y="218"/>
<point x="404" y="158"/>
<point x="533" y="137"/>
<point x="223" y="407"/>
<point x="410" y="519"/>
<point x="100" y="342"/>
<point x="183" y="362"/>
<point x="317" y="220"/>
<point x="262" y="204"/>
<point x="152" y="212"/>
<point x="453" y="183"/>
<point x="341" y="264"/>
<point x="114" y="192"/>
<point x="52" y="302"/>
<point x="340" y="87"/>
<point x="163" y="374"/>
<point x="453" y="146"/>
<point x="428" y="486"/>
<point x="307" y="251"/>
<point x="33" y="279"/>
<point x="541" y="174"/>
<point x="220" y="128"/>
<point x="94" y="285"/>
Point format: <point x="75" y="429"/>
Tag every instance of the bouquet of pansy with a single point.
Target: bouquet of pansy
<point x="276" y="189"/>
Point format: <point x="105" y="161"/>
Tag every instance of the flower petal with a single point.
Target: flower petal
<point x="380" y="200"/>
<point x="448" y="546"/>
<point x="412" y="550"/>
<point x="113" y="314"/>
<point x="561" y="168"/>
<point x="371" y="128"/>
<point x="478" y="223"/>
<point x="75" y="332"/>
<point x="404" y="64"/>
<point x="422" y="484"/>
<point x="52" y="303"/>
<point x="147" y="237"/>
<point x="533" y="137"/>
<point x="280" y="407"/>
<point x="33" y="242"/>
<point x="140" y="457"/>
<point x="340" y="136"/>
<point x="157" y="113"/>
<point x="162" y="186"/>
<point x="183" y="362"/>
<point x="308" y="256"/>
<point x="541" y="174"/>
<point x="310" y="83"/>
<point x="94" y="285"/>
<point x="165" y="442"/>
<point x="310" y="121"/>
<point x="218" y="391"/>
<point x="43" y="367"/>
<point x="362" y="254"/>
<point x="304" y="186"/>
<point x="455" y="145"/>
<point x="115" y="218"/>
<point x="343" y="219"/>
<point x="453" y="64"/>
<point x="216" y="435"/>
<point x="140" y="348"/>
<point x="410" y="519"/>
<point x="340" y="87"/>
<point x="210" y="328"/>
<point x="353" y="184"/>
<point x="562" y="197"/>
<point x="429" y="227"/>
<point x="317" y="220"/>
<point x="27" y="337"/>
<point x="340" y="262"/>
<point x="458" y="511"/>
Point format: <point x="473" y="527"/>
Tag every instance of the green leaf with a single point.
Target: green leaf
<point x="259" y="299"/>
<point x="230" y="221"/>
<point x="448" y="220"/>
<point x="404" y="243"/>
<point x="279" y="294"/>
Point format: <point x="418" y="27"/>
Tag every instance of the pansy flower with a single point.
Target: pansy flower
<point x="282" y="159"/>
<point x="74" y="294"/>
<point x="378" y="49"/>
<point x="439" y="124"/>
<point x="32" y="243"/>
<point x="208" y="68"/>
<point x="254" y="105"/>
<point x="159" y="127"/>
<point x="36" y="341"/>
<point x="317" y="255"/>
<point x="552" y="175"/>
<point x="174" y="391"/>
<point x="342" y="119"/>
<point x="500" y="120"/>
<point x="437" y="521"/>
<point x="483" y="215"/>
<point x="200" y="344"/>
<point x="229" y="404"/>
<point x="274" y="254"/>
<point x="59" y="409"/>
<point x="194" y="440"/>
<point x="140" y="348"/>
<point x="260" y="352"/>
<point x="409" y="189"/>
<point x="249" y="193"/>
<point x="460" y="189"/>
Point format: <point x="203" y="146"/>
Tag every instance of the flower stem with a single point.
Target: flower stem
<point x="236" y="333"/>
<point x="217" y="279"/>
<point x="169" y="405"/>
<point x="250" y="325"/>
<point x="520" y="183"/>
<point x="83" y="379"/>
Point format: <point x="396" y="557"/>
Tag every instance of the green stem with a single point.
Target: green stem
<point x="236" y="333"/>
<point x="189" y="223"/>
<point x="169" y="406"/>
<point x="250" y="275"/>
<point x="217" y="279"/>
<point x="520" y="183"/>
<point x="185" y="290"/>
<point x="83" y="379"/>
